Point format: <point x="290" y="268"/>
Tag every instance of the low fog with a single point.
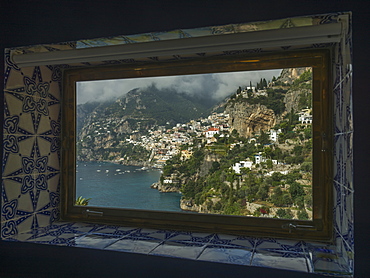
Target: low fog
<point x="216" y="86"/>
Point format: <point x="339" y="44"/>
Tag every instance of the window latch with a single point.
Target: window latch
<point x="294" y="227"/>
<point x="92" y="213"/>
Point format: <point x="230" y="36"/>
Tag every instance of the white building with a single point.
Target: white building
<point x="242" y="164"/>
<point x="259" y="158"/>
<point x="212" y="131"/>
<point x="274" y="134"/>
<point x="305" y="116"/>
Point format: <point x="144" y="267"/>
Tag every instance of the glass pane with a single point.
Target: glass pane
<point x="237" y="143"/>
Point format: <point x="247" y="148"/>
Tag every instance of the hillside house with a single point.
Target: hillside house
<point x="212" y="131"/>
<point x="259" y="158"/>
<point x="274" y="134"/>
<point x="242" y="164"/>
<point x="305" y="116"/>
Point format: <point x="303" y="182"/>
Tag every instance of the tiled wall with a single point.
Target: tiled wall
<point x="30" y="193"/>
<point x="343" y="151"/>
<point x="31" y="160"/>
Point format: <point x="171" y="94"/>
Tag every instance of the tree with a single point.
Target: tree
<point x="269" y="163"/>
<point x="302" y="215"/>
<point x="264" y="83"/>
<point x="277" y="197"/>
<point x="215" y="167"/>
<point x="284" y="213"/>
<point x="297" y="150"/>
<point x="264" y="138"/>
<point x="262" y="193"/>
<point x="306" y="166"/>
<point x="296" y="190"/>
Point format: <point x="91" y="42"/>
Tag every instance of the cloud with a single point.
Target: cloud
<point x="216" y="86"/>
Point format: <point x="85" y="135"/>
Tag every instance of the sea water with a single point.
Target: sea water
<point x="119" y="186"/>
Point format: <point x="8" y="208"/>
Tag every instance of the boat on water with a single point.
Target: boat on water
<point x="98" y="170"/>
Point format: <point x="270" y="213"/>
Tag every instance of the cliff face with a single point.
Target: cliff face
<point x="288" y="76"/>
<point x="246" y="118"/>
<point x="208" y="160"/>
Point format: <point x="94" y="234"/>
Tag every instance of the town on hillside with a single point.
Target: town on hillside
<point x="257" y="164"/>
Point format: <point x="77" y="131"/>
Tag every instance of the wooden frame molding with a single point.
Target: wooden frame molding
<point x="321" y="226"/>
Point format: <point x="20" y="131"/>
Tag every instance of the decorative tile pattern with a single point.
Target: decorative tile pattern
<point x="227" y="254"/>
<point x="134" y="245"/>
<point x="288" y="260"/>
<point x="30" y="192"/>
<point x="179" y="249"/>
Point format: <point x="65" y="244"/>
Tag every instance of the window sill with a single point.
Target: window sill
<point x="220" y="248"/>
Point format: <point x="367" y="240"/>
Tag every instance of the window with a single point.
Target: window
<point x="318" y="119"/>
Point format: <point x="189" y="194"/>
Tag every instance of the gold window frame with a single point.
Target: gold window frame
<point x="321" y="225"/>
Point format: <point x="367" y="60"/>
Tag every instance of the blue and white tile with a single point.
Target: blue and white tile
<point x="80" y="227"/>
<point x="46" y="150"/>
<point x="189" y="250"/>
<point x="226" y="254"/>
<point x="9" y="229"/>
<point x="12" y="77"/>
<point x="348" y="119"/>
<point x="233" y="241"/>
<point x="192" y="237"/>
<point x="330" y="266"/>
<point x="25" y="223"/>
<point x="43" y="217"/>
<point x="325" y="259"/>
<point x="348" y="197"/>
<point x="61" y="227"/>
<point x="338" y="170"/>
<point x="54" y="187"/>
<point x="279" y="246"/>
<point x="150" y="234"/>
<point x="22" y="122"/>
<point x="222" y="239"/>
<point x="288" y="260"/>
<point x="134" y="245"/>
<point x="21" y="236"/>
<point x="16" y="150"/>
<point x="97" y="241"/>
<point x="348" y="171"/>
<point x="11" y="191"/>
<point x="348" y="146"/>
<point x="54" y="106"/>
<point x="338" y="109"/>
<point x="43" y="200"/>
<point x="66" y="239"/>
<point x="44" y="123"/>
<point x="114" y="230"/>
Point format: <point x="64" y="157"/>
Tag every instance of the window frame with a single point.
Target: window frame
<point x="321" y="226"/>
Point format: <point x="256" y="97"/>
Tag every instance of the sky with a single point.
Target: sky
<point x="216" y="85"/>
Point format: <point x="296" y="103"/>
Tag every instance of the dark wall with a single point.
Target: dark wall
<point x="46" y="21"/>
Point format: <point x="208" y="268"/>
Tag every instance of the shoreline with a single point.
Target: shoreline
<point x="124" y="164"/>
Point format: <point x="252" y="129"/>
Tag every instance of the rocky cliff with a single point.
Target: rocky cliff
<point x="248" y="119"/>
<point x="288" y="76"/>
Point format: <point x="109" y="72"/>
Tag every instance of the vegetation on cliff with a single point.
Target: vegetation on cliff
<point x="279" y="185"/>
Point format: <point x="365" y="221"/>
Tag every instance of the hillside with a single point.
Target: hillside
<point x="259" y="160"/>
<point x="104" y="128"/>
